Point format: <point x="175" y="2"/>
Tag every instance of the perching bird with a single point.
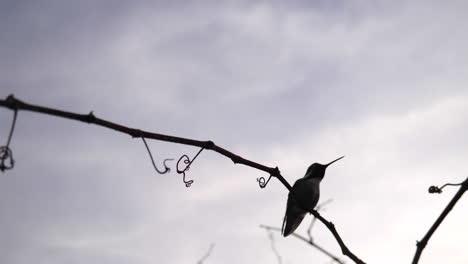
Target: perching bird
<point x="306" y="196"/>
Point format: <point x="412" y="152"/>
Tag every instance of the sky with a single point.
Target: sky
<point x="281" y="83"/>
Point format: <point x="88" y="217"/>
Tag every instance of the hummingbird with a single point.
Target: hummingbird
<point x="305" y="198"/>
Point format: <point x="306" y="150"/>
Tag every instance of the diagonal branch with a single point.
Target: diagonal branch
<point x="14" y="104"/>
<point x="344" y="249"/>
<point x="420" y="245"/>
<point x="308" y="241"/>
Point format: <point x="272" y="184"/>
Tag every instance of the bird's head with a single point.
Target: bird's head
<point x="317" y="170"/>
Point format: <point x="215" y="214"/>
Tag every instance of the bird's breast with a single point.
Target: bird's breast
<point x="307" y="193"/>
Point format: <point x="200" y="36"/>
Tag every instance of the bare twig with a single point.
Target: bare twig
<point x="207" y="254"/>
<point x="312" y="243"/>
<point x="420" y="245"/>
<point x="273" y="245"/>
<point x="14" y="104"/>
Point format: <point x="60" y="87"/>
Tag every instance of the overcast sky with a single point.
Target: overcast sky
<point x="284" y="84"/>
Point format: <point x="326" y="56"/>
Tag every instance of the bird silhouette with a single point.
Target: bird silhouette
<point x="304" y="196"/>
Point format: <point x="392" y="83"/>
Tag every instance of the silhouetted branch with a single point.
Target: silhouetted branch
<point x="420" y="245"/>
<point x="344" y="249"/>
<point x="207" y="254"/>
<point x="310" y="242"/>
<point x="14" y="104"/>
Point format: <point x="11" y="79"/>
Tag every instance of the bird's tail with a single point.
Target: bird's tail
<point x="292" y="218"/>
<point x="291" y="223"/>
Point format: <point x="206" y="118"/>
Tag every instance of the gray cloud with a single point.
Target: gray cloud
<point x="282" y="84"/>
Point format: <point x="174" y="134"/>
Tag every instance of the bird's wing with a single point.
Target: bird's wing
<point x="293" y="217"/>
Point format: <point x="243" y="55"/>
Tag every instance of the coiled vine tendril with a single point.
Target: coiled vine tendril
<point x="184" y="158"/>
<point x="435" y="189"/>
<point x="189" y="162"/>
<point x="166" y="168"/>
<point x="6" y="154"/>
<point x="262" y="182"/>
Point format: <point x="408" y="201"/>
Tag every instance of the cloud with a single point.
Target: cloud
<point x="285" y="84"/>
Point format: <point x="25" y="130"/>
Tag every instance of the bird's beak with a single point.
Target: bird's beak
<point x="334" y="161"/>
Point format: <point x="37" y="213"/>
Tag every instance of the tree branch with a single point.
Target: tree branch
<point x="420" y="245"/>
<point x="344" y="249"/>
<point x="308" y="241"/>
<point x="14" y="104"/>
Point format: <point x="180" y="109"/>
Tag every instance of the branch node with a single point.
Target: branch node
<point x="235" y="159"/>
<point x="421" y="244"/>
<point x="90" y="118"/>
<point x="209" y="144"/>
<point x="276" y="172"/>
<point x="10" y="98"/>
<point x="12" y="101"/>
<point x="136" y="133"/>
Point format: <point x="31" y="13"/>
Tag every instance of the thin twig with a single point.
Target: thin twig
<point x="14" y="104"/>
<point x="420" y="245"/>
<point x="207" y="254"/>
<point x="310" y="242"/>
<point x="273" y="246"/>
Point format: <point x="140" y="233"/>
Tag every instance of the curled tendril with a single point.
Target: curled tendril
<point x="186" y="160"/>
<point x="262" y="182"/>
<point x="6" y="158"/>
<point x="189" y="162"/>
<point x="166" y="168"/>
<point x="6" y="154"/>
<point x="435" y="189"/>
